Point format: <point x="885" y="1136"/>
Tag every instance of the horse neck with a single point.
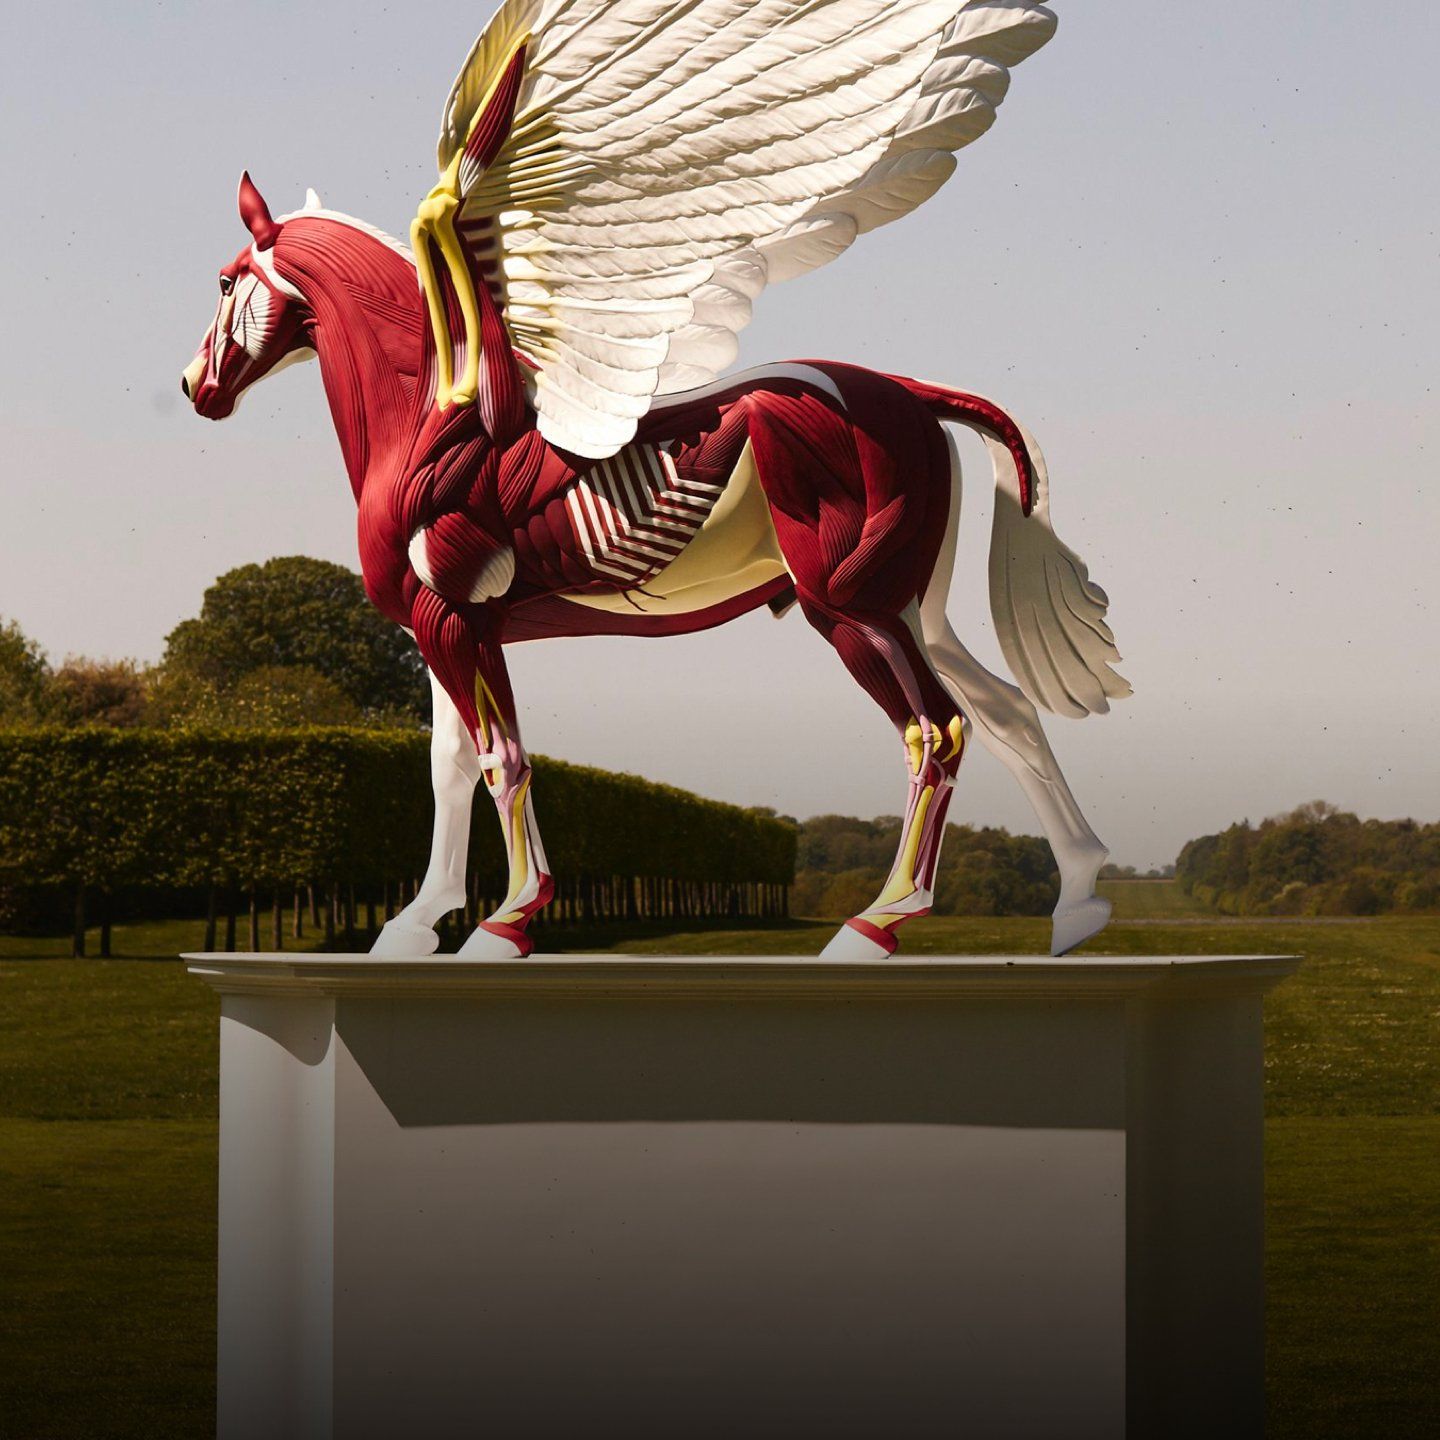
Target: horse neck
<point x="366" y="332"/>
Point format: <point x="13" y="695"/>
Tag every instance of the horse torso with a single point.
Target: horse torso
<point x="820" y="474"/>
<point x="676" y="531"/>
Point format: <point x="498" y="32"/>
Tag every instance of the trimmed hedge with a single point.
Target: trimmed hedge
<point x="102" y="810"/>
<point x="1317" y="860"/>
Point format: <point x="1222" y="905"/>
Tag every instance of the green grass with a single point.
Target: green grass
<point x="107" y="1253"/>
<point x="1352" y="1269"/>
<point x="147" y="1032"/>
<point x="143" y="940"/>
<point x="1152" y="900"/>
<point x="107" y="1166"/>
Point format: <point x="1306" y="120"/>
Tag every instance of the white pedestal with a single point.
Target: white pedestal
<point x="685" y="1198"/>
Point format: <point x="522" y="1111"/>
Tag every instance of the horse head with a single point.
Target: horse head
<point x="261" y="323"/>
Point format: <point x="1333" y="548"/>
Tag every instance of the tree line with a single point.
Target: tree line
<point x="842" y="863"/>
<point x="330" y="823"/>
<point x="1317" y="860"/>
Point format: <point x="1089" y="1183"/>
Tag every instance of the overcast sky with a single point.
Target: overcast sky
<point x="1198" y="255"/>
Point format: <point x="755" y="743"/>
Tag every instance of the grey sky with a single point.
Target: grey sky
<point x="1198" y="255"/>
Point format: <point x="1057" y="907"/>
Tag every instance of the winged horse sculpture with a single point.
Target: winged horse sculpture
<point x="528" y="405"/>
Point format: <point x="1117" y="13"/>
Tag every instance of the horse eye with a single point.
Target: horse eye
<point x="227" y="284"/>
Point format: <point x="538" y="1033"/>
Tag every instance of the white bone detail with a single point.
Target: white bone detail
<point x="495" y="578"/>
<point x="264" y="261"/>
<point x="251" y="324"/>
<point x="420" y="559"/>
<point x="633" y="514"/>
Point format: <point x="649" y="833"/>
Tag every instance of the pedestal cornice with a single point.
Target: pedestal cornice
<point x="672" y="977"/>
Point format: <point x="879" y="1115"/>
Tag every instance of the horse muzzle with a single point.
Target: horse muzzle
<point x="208" y="398"/>
<point x="191" y="377"/>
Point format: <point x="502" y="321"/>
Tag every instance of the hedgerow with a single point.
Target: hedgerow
<point x="347" y="811"/>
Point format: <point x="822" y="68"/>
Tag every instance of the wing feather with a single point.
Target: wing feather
<point x="667" y="159"/>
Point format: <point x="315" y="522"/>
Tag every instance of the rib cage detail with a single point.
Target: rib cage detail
<point x="633" y="513"/>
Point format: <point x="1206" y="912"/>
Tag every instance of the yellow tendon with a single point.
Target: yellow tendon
<point x="902" y="878"/>
<point x="435" y="221"/>
<point x="485" y="707"/>
<point x="956" y="731"/>
<point x="915" y="744"/>
<point x="519" y="855"/>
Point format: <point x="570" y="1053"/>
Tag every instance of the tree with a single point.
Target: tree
<point x="98" y="692"/>
<point x="24" y="678"/>
<point x="297" y="611"/>
<point x="843" y="863"/>
<point x="274" y="697"/>
<point x="1316" y="860"/>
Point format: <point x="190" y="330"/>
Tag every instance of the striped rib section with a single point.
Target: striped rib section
<point x="633" y="514"/>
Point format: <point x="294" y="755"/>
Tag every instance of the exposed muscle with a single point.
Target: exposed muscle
<point x="806" y="482"/>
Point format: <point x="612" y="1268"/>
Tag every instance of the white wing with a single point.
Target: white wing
<point x="626" y="176"/>
<point x="956" y="102"/>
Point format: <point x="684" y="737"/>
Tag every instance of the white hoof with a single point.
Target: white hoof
<point x="1078" y="923"/>
<point x="849" y="944"/>
<point x="402" y="940"/>
<point x="492" y="944"/>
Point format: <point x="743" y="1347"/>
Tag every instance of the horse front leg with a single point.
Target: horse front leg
<point x="502" y="935"/>
<point x="933" y="754"/>
<point x="455" y="768"/>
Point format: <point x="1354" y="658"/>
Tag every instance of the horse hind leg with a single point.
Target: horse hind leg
<point x="883" y="655"/>
<point x="1008" y="726"/>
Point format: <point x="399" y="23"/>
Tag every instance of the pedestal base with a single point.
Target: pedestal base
<point x="595" y="1196"/>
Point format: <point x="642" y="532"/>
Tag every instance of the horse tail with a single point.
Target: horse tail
<point x="1049" y="615"/>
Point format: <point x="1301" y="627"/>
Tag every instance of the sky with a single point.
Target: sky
<point x="1198" y="255"/>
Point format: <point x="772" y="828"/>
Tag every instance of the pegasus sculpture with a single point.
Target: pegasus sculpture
<point x="528" y="405"/>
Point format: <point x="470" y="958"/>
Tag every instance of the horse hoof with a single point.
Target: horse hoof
<point x="493" y="941"/>
<point x="860" y="940"/>
<point x="400" y="940"/>
<point x="1078" y="923"/>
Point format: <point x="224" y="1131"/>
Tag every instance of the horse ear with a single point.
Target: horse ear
<point x="313" y="201"/>
<point x="256" y="214"/>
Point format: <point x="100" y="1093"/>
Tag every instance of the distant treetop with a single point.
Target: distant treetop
<point x="300" y="612"/>
<point x="24" y="678"/>
<point x="1317" y="860"/>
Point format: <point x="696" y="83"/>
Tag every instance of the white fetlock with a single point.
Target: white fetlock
<point x="849" y="944"/>
<point x="1075" y="924"/>
<point x="1079" y="870"/>
<point x="404" y="940"/>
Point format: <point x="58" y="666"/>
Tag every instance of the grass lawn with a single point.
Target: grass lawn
<point x="1152" y="900"/>
<point x="107" y="1166"/>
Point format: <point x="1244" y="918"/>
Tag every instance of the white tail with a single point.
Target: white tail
<point x="1049" y="615"/>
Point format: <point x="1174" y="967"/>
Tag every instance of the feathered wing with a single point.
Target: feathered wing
<point x="955" y="104"/>
<point x="626" y="176"/>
